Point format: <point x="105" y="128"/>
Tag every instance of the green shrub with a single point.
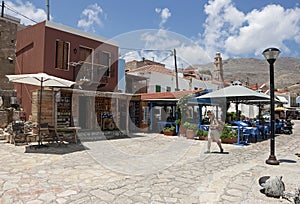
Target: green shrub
<point x="172" y="128"/>
<point x="229" y="133"/>
<point x="202" y="132"/>
<point x="177" y="121"/>
<point x="190" y="126"/>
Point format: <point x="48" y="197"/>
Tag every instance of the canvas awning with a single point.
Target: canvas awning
<point x="282" y="99"/>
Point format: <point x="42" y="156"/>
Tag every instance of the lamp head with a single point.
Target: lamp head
<point x="271" y="53"/>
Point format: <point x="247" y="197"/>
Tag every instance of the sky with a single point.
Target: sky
<point x="196" y="29"/>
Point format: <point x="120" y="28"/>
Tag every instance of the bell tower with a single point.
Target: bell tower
<point x="218" y="71"/>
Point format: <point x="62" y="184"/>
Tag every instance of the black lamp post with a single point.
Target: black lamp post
<point x="271" y="54"/>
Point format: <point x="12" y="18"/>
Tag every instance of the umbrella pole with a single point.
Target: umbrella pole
<point x="40" y="113"/>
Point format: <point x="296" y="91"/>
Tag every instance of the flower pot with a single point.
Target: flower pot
<point x="169" y="133"/>
<point x="202" y="137"/>
<point x="229" y="140"/>
<point x="190" y="134"/>
<point x="181" y="129"/>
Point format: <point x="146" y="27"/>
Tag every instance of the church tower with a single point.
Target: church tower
<point x="218" y="71"/>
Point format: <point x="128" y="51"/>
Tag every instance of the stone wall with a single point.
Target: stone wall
<point x="6" y="97"/>
<point x="6" y="117"/>
<point x="47" y="115"/>
<point x="8" y="35"/>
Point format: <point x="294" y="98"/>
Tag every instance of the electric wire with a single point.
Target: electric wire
<point x="16" y="12"/>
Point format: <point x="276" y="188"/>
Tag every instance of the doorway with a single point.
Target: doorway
<point x="83" y="111"/>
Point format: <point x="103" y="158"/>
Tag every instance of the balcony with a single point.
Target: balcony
<point x="92" y="75"/>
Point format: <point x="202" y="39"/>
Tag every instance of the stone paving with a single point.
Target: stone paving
<point x="148" y="168"/>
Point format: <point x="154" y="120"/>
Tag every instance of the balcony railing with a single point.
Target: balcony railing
<point x="92" y="74"/>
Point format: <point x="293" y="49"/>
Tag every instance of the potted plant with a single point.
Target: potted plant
<point x="169" y="131"/>
<point x="181" y="129"/>
<point x="191" y="129"/>
<point x="202" y="134"/>
<point x="182" y="111"/>
<point x="229" y="135"/>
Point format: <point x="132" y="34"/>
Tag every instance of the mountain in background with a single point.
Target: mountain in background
<point x="256" y="71"/>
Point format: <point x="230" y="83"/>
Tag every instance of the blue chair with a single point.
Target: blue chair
<point x="246" y="134"/>
<point x="266" y="132"/>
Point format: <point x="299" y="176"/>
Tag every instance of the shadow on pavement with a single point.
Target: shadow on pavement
<point x="286" y="161"/>
<point x="219" y="152"/>
<point x="55" y="148"/>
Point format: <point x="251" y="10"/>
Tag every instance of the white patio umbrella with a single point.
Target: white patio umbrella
<point x="236" y="94"/>
<point x="42" y="80"/>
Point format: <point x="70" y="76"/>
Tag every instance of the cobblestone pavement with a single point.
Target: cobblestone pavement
<point x="149" y="168"/>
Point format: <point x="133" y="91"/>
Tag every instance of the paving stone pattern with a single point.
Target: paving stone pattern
<point x="88" y="173"/>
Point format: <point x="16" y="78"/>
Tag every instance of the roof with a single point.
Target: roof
<point x="135" y="77"/>
<point x="282" y="99"/>
<point x="168" y="95"/>
<point x="153" y="68"/>
<point x="258" y="86"/>
<point x="189" y="69"/>
<point x="67" y="29"/>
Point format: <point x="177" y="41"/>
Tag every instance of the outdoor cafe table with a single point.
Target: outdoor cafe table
<point x="244" y="129"/>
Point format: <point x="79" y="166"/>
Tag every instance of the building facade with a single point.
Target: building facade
<point x="161" y="79"/>
<point x="8" y="35"/>
<point x="66" y="53"/>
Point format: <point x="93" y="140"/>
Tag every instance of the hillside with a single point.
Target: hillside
<point x="287" y="71"/>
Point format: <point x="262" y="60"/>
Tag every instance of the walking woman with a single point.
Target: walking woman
<point x="213" y="132"/>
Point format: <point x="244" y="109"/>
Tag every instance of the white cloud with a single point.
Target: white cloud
<point x="161" y="39"/>
<point x="158" y="10"/>
<point x="164" y="15"/>
<point x="26" y="9"/>
<point x="236" y="33"/>
<point x="160" y="44"/>
<point x="90" y="18"/>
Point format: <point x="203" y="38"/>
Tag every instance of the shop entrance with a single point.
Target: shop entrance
<point x="83" y="111"/>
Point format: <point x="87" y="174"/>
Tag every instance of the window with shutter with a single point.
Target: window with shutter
<point x="157" y="88"/>
<point x="62" y="55"/>
<point x="85" y="54"/>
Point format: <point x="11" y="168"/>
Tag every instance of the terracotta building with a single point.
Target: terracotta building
<point x="89" y="60"/>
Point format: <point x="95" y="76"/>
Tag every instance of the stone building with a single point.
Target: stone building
<point x="144" y="62"/>
<point x="8" y="34"/>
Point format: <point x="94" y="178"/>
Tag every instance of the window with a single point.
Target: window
<point x="62" y="55"/>
<point x="157" y="88"/>
<point x="168" y="89"/>
<point x="105" y="60"/>
<point x="85" y="54"/>
<point x="102" y="62"/>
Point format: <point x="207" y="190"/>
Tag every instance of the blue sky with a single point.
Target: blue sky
<point x="197" y="29"/>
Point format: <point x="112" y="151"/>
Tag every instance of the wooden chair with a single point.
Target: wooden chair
<point x="59" y="138"/>
<point x="44" y="133"/>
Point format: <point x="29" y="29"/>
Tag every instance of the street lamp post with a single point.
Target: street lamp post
<point x="271" y="54"/>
